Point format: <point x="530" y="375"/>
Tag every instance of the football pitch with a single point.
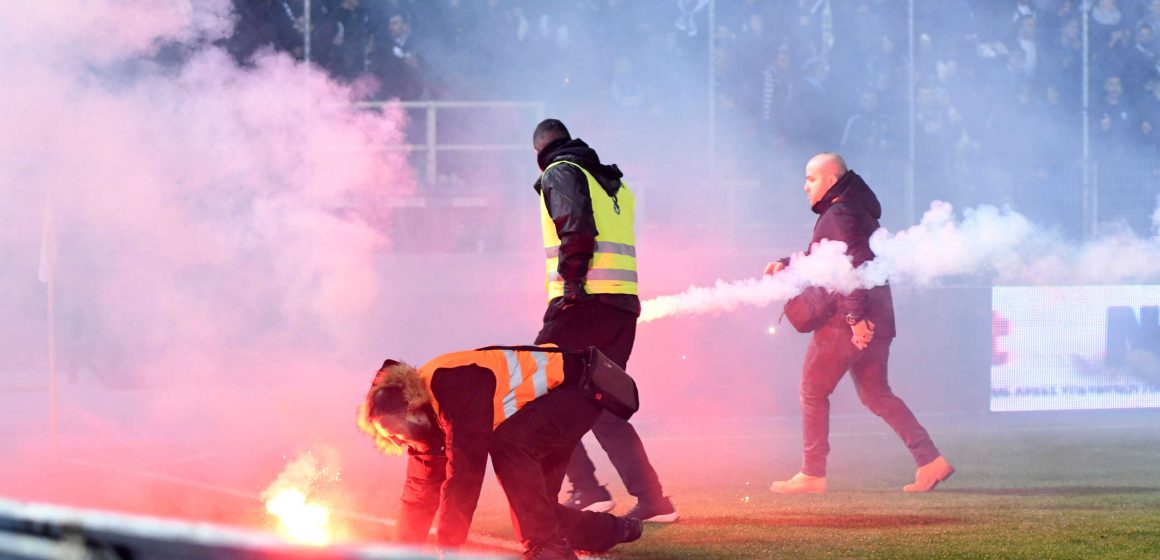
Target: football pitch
<point x="1027" y="486"/>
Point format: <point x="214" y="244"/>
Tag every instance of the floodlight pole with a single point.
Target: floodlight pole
<point x="908" y="188"/>
<point x="1090" y="202"/>
<point x="306" y="32"/>
<point x="711" y="41"/>
<point x="47" y="274"/>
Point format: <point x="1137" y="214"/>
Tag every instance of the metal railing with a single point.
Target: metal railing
<point x="431" y="145"/>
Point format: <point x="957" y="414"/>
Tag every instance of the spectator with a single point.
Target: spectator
<point x="1023" y="10"/>
<point x="265" y="23"/>
<point x="1115" y="121"/>
<point x="1107" y="35"/>
<point x="753" y="42"/>
<point x="1066" y="54"/>
<point x="1054" y="16"/>
<point x="395" y="61"/>
<point x="1146" y="131"/>
<point x="868" y="132"/>
<point x="344" y="35"/>
<point x="1106" y="13"/>
<point x="811" y="119"/>
<point x="811" y="24"/>
<point x="778" y="94"/>
<point x="884" y="70"/>
<point x="1152" y="17"/>
<point x="1140" y="63"/>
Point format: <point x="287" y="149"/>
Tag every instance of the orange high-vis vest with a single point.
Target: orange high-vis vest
<point x="521" y="376"/>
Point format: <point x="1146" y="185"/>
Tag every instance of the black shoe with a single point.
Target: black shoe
<point x="598" y="500"/>
<point x="660" y="510"/>
<point x="631" y="528"/>
<point x="559" y="550"/>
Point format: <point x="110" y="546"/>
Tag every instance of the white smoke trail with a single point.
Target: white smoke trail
<point x="1001" y="245"/>
<point x="827" y="265"/>
<point x="985" y="241"/>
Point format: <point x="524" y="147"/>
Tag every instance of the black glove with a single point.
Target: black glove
<point x="574" y="292"/>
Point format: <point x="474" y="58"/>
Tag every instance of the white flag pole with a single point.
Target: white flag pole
<point x="47" y="274"/>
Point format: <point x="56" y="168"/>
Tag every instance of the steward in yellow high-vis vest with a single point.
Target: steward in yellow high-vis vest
<point x="587" y="219"/>
<point x="518" y="405"/>
<point x="587" y="214"/>
<point x="612" y="267"/>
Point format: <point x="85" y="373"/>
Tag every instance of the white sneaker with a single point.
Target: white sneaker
<point x="801" y="483"/>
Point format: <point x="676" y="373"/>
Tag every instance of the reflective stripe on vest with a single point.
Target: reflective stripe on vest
<point x="612" y="269"/>
<point x="601" y="247"/>
<point x="520" y="376"/>
<point x="538" y="376"/>
<point x="620" y="275"/>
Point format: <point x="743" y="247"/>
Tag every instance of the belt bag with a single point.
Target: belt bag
<point x="609" y="385"/>
<point x="602" y="381"/>
<point x="809" y="310"/>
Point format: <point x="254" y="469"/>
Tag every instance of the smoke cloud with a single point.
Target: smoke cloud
<point x="198" y="206"/>
<point x="207" y="233"/>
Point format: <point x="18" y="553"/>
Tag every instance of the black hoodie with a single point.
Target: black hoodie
<point x="565" y="191"/>
<point x="849" y="212"/>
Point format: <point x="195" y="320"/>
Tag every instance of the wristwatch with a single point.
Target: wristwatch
<point x="852" y="319"/>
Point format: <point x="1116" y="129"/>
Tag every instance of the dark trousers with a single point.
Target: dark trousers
<point x="829" y="356"/>
<point x="613" y="331"/>
<point x="529" y="453"/>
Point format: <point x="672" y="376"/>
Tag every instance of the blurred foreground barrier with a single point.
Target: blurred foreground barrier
<point x="42" y="531"/>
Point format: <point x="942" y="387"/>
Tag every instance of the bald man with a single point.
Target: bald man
<point x="856" y="338"/>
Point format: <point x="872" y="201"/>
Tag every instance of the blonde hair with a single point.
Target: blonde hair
<point x="392" y="376"/>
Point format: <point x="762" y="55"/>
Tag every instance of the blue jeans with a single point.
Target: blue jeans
<point x="829" y="356"/>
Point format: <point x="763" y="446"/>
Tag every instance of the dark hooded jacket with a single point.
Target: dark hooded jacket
<point x="565" y="191"/>
<point x="849" y="212"/>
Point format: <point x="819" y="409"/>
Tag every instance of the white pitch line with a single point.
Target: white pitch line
<point x="170" y="478"/>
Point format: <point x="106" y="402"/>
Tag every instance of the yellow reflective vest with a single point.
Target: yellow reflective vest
<point x="612" y="269"/>
<point x="520" y="376"/>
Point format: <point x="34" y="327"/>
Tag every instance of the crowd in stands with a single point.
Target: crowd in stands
<point x="997" y="83"/>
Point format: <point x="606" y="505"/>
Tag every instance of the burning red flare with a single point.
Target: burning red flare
<point x="300" y="520"/>
<point x="293" y="500"/>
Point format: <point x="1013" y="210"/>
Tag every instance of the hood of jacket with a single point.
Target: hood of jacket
<point x="578" y="152"/>
<point x="852" y="190"/>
